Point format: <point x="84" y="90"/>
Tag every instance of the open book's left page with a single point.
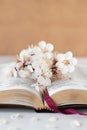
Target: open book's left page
<point x="18" y="91"/>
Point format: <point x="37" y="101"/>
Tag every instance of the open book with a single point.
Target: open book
<point x="24" y="92"/>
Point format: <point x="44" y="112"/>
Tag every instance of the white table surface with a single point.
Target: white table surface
<point x="28" y="119"/>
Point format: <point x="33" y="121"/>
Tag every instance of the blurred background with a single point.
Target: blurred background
<point x="61" y="22"/>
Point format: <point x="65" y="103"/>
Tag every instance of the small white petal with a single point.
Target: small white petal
<point x="42" y="44"/>
<point x="18" y="65"/>
<point x="49" y="55"/>
<point x="36" y="50"/>
<point x="60" y="57"/>
<point x="36" y="57"/>
<point x="48" y="74"/>
<point x="68" y="55"/>
<point x="24" y="74"/>
<point x="35" y="64"/>
<point x="29" y="49"/>
<point x="22" y="54"/>
<point x="30" y="68"/>
<point x="73" y="61"/>
<point x="59" y="65"/>
<point x="64" y="70"/>
<point x="27" y="63"/>
<point x="49" y="47"/>
<point x="71" y="68"/>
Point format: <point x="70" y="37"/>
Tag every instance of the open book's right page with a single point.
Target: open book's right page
<point x="77" y="81"/>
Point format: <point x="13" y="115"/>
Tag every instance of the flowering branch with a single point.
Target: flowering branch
<point x="41" y="63"/>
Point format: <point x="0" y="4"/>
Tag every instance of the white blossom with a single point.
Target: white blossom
<point x="42" y="44"/>
<point x="66" y="63"/>
<point x="22" y="54"/>
<point x="40" y="63"/>
<point x="49" y="47"/>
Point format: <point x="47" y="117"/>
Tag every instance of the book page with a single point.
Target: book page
<point x="78" y="80"/>
<point x="15" y="83"/>
<point x="22" y="85"/>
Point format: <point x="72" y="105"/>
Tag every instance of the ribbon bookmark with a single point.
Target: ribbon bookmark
<point x="53" y="106"/>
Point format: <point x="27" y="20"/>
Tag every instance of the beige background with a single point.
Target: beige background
<point x="62" y="22"/>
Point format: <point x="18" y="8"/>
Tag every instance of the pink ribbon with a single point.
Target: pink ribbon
<point x="53" y="106"/>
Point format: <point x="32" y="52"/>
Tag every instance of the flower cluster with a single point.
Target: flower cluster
<point x="42" y="64"/>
